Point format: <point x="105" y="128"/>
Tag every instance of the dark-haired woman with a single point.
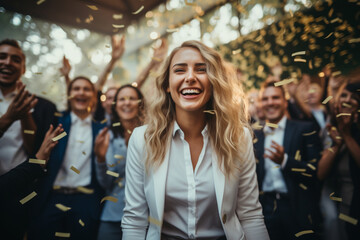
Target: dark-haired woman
<point x="110" y="150"/>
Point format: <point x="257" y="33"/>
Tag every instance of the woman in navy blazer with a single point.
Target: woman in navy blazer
<point x="190" y="173"/>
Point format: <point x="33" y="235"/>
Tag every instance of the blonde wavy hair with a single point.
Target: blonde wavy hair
<point x="225" y="127"/>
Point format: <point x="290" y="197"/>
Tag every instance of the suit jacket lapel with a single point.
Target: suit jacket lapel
<point x="219" y="182"/>
<point x="259" y="148"/>
<point x="289" y="132"/>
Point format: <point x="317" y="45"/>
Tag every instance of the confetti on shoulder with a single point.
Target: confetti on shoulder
<point x="348" y="219"/>
<point x="327" y="99"/>
<point x="32" y="132"/>
<point x="272" y="125"/>
<point x="93" y="7"/>
<point x="28" y="198"/>
<point x="75" y="169"/>
<point x="62" y="207"/>
<point x="283" y="82"/>
<point x="139" y="10"/>
<point x="109" y="198"/>
<point x="111" y="173"/>
<point x="37" y="161"/>
<point x="62" y="234"/>
<point x="303" y="233"/>
<point x="154" y="221"/>
<point x="309" y="134"/>
<point x="343" y="114"/>
<point x="311" y="166"/>
<point x="117" y="124"/>
<point x="85" y="190"/>
<point x="60" y="136"/>
<point x="298" y="53"/>
<point x="303" y="186"/>
<point x="40" y="2"/>
<point x="81" y="223"/>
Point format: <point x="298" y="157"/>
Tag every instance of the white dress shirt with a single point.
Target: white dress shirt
<point x="78" y="154"/>
<point x="190" y="199"/>
<point x="12" y="151"/>
<point x="274" y="180"/>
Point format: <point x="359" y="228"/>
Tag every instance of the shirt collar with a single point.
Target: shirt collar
<point x="9" y="95"/>
<point x="75" y="118"/>
<point x="281" y="126"/>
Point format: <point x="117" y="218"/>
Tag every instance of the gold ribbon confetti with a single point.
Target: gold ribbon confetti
<point x="109" y="198"/>
<point x="300" y="60"/>
<point x="171" y="30"/>
<point x="329" y="35"/>
<point x="85" y="190"/>
<point x="117" y="156"/>
<point x="62" y="234"/>
<point x="337" y="199"/>
<point x="116" y="124"/>
<point x="303" y="186"/>
<point x="354" y="40"/>
<point x="256" y="126"/>
<point x="118" y="26"/>
<point x="32" y="132"/>
<point x="255" y="140"/>
<point x="298" y="53"/>
<point x="311" y="166"/>
<point x="60" y="136"/>
<point x="62" y="207"/>
<point x="57" y="114"/>
<point x="334" y="74"/>
<point x="37" y="161"/>
<point x="139" y="10"/>
<point x="75" y="169"/>
<point x="297" y="155"/>
<point x="283" y="82"/>
<point x="234" y="52"/>
<point x="93" y="7"/>
<point x="303" y="233"/>
<point x="343" y="114"/>
<point x="272" y="125"/>
<point x="348" y="219"/>
<point x="28" y="197"/>
<point x="327" y="99"/>
<point x="104" y="121"/>
<point x="346" y="105"/>
<point x="210" y="111"/>
<point x="306" y="174"/>
<point x="309" y="134"/>
<point x="111" y="173"/>
<point x="81" y="223"/>
<point x="298" y="169"/>
<point x="154" y="221"/>
<point x="117" y="16"/>
<point x="40" y="2"/>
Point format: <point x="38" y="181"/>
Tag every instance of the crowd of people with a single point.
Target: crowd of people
<point x="197" y="160"/>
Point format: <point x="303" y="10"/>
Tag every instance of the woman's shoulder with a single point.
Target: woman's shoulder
<point x="138" y="134"/>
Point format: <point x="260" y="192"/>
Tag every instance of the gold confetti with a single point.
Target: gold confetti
<point x="283" y="82"/>
<point x="329" y="35"/>
<point x="335" y="20"/>
<point x="111" y="173"/>
<point x="118" y="26"/>
<point x="117" y="156"/>
<point x="303" y="186"/>
<point x="346" y="105"/>
<point x="93" y="7"/>
<point x="40" y="2"/>
<point x="116" y="124"/>
<point x="129" y="132"/>
<point x="58" y="137"/>
<point x="255" y="140"/>
<point x="331" y="150"/>
<point x="303" y="233"/>
<point x="32" y="132"/>
<point x="300" y="60"/>
<point x="336" y="199"/>
<point x="297" y="155"/>
<point x="298" y="169"/>
<point x="338" y="137"/>
<point x="62" y="234"/>
<point x="109" y="198"/>
<point x="234" y="52"/>
<point x="327" y="99"/>
<point x="354" y="40"/>
<point x="331" y="12"/>
<point x="171" y="30"/>
<point x="38" y="73"/>
<point x="311" y="166"/>
<point x="55" y="187"/>
<point x="117" y="16"/>
<point x="310" y="64"/>
<point x="139" y="10"/>
<point x="85" y="190"/>
<point x="84" y="153"/>
<point x="298" y="53"/>
<point x="334" y="74"/>
<point x="75" y="169"/>
<point x="272" y="125"/>
<point x="104" y="121"/>
<point x="313" y="160"/>
<point x="37" y="161"/>
<point x="343" y="114"/>
<point x="57" y="114"/>
<point x="256" y="126"/>
<point x="154" y="221"/>
<point x="210" y="111"/>
<point x="309" y="134"/>
<point x="306" y="174"/>
<point x="62" y="207"/>
<point x="81" y="223"/>
<point x="348" y="219"/>
<point x="28" y="198"/>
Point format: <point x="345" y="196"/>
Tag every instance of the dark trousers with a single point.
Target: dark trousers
<point x="51" y="219"/>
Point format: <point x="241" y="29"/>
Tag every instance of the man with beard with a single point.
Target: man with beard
<point x="24" y="120"/>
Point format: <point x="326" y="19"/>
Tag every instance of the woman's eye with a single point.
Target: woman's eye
<point x="179" y="70"/>
<point x="202" y="69"/>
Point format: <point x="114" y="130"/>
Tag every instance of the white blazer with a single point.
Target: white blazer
<point x="240" y="212"/>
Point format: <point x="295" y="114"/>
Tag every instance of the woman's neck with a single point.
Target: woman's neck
<point x="129" y="124"/>
<point x="191" y="124"/>
<point x="82" y="114"/>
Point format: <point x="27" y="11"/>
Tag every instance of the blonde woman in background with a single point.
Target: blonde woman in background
<point x="190" y="172"/>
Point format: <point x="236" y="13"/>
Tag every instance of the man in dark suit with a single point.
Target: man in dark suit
<point x="287" y="153"/>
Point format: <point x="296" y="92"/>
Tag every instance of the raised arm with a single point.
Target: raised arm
<point x="65" y="70"/>
<point x="118" y="48"/>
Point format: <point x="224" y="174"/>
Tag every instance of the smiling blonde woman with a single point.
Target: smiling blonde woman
<point x="191" y="170"/>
